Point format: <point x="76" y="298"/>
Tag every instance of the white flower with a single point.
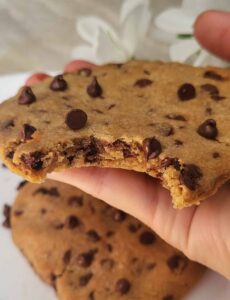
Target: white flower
<point x="179" y="22"/>
<point x="105" y="43"/>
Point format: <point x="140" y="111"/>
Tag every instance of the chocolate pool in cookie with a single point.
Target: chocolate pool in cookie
<point x="169" y="120"/>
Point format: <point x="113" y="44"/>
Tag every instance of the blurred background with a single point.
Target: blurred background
<point x="39" y="35"/>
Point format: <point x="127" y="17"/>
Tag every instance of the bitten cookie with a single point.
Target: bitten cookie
<point x="169" y="120"/>
<point x="90" y="251"/>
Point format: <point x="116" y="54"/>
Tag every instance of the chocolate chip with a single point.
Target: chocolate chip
<point x="134" y="227"/>
<point x="152" y="148"/>
<point x="84" y="280"/>
<point x="107" y="264"/>
<point x="6" y="223"/>
<point x="58" y="226"/>
<point x="146" y="72"/>
<point x="150" y="266"/>
<point x="208" y="110"/>
<point x="27" y="96"/>
<point x="190" y="175"/>
<point x="6" y="210"/>
<point x="53" y="279"/>
<point x="217" y="97"/>
<point x="147" y="238"/>
<point x="53" y="192"/>
<point x="111" y="106"/>
<point x="85" y="259"/>
<point x="215" y="154"/>
<point x="18" y="213"/>
<point x="94" y="90"/>
<point x="33" y="160"/>
<point x="208" y="129"/>
<point x="58" y="84"/>
<point x="213" y="75"/>
<point x="177" y="263"/>
<point x="186" y="92"/>
<point x="6" y="213"/>
<point x="119" y="66"/>
<point x="92" y="151"/>
<point x="119" y="216"/>
<point x="10" y="155"/>
<point x="210" y="88"/>
<point x="175" y="117"/>
<point x="137" y="266"/>
<point x="120" y="144"/>
<point x="127" y="153"/>
<point x="67" y="256"/>
<point x="171" y="161"/>
<point x="76" y="119"/>
<point x="98" y="111"/>
<point x="72" y="222"/>
<point x="123" y="286"/>
<point x="91" y="208"/>
<point x="37" y="166"/>
<point x="21" y="184"/>
<point x="27" y="132"/>
<point x="178" y="143"/>
<point x="93" y="235"/>
<point x="85" y="72"/>
<point x="91" y="296"/>
<point x="164" y="129"/>
<point x="109" y="247"/>
<point x="70" y="159"/>
<point x="75" y="201"/>
<point x="43" y="211"/>
<point x="168" y="297"/>
<point x="143" y="82"/>
<point x="8" y="124"/>
<point x="110" y="233"/>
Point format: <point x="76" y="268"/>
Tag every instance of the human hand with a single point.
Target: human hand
<point x="202" y="232"/>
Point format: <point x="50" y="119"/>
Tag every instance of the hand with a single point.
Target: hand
<point x="202" y="232"/>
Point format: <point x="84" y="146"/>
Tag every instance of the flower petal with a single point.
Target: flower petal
<point x="195" y="7"/>
<point x="205" y="58"/>
<point x="200" y="60"/>
<point x="129" y="6"/>
<point x="86" y="53"/>
<point x="134" y="19"/>
<point x="181" y="51"/>
<point x="108" y="50"/>
<point x="88" y="28"/>
<point x="175" y="21"/>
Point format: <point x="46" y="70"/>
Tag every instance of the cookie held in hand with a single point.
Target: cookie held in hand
<point x="169" y="120"/>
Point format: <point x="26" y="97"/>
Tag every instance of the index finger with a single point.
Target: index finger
<point x="212" y="29"/>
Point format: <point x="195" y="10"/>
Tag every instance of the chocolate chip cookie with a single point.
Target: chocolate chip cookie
<point x="169" y="120"/>
<point x="89" y="250"/>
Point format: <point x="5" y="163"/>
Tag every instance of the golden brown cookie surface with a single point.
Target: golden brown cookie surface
<point x="89" y="250"/>
<point x="169" y="120"/>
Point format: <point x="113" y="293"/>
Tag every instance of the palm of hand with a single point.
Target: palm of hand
<point x="201" y="232"/>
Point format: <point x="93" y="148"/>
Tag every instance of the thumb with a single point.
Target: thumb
<point x="212" y="30"/>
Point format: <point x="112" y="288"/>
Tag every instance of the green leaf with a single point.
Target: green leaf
<point x="184" y="36"/>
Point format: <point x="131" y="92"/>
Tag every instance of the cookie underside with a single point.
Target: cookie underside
<point x="168" y="120"/>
